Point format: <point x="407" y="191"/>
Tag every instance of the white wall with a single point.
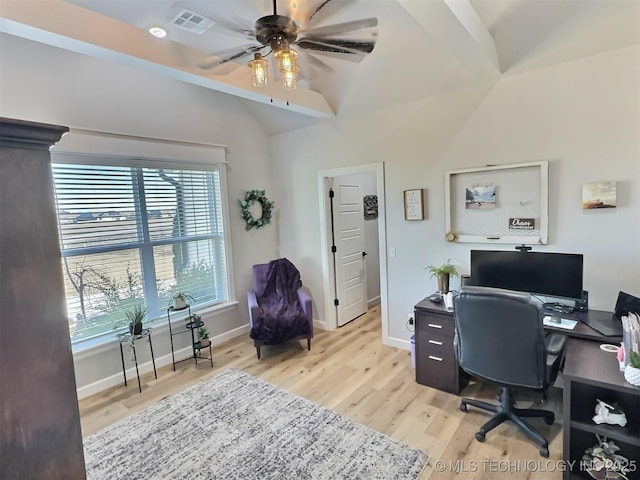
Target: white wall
<point x="583" y="116"/>
<point x="44" y="84"/>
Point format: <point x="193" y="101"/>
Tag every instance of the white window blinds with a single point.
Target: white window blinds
<point x="135" y="233"/>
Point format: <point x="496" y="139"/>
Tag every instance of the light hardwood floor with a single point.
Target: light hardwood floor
<point x="351" y="372"/>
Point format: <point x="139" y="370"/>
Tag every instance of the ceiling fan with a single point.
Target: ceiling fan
<point x="276" y="34"/>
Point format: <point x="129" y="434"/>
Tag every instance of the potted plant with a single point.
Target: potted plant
<point x="194" y="320"/>
<point x="203" y="337"/>
<point x="179" y="300"/>
<point x="134" y="316"/>
<point x="632" y="370"/>
<point x="604" y="460"/>
<point x="442" y="272"/>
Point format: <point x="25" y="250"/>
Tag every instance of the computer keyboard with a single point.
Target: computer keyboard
<point x="558" y="308"/>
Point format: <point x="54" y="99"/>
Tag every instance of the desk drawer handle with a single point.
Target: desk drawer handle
<point x="434" y="325"/>
<point x="434" y="342"/>
<point x="438" y="359"/>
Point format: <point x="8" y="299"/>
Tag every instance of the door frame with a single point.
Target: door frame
<point x="328" y="273"/>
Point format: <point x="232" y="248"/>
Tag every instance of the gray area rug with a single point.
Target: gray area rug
<point x="236" y="426"/>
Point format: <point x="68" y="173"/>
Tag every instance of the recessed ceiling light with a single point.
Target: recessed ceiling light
<point x="158" y="32"/>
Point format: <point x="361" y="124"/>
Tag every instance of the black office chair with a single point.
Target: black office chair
<point x="499" y="338"/>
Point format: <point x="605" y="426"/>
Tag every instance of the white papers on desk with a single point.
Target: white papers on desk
<point x="448" y="301"/>
<point x="564" y="323"/>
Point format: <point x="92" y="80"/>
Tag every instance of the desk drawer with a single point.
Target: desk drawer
<point x="436" y="365"/>
<point x="438" y="372"/>
<point x="437" y="325"/>
<point x="439" y="347"/>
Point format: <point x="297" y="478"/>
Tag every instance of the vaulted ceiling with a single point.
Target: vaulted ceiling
<point x="424" y="47"/>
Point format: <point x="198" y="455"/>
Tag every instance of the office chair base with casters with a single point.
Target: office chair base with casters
<point x="507" y="411"/>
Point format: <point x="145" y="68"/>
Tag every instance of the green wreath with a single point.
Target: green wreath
<point x="250" y="198"/>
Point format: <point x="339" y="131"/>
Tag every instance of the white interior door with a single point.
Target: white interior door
<point x="351" y="284"/>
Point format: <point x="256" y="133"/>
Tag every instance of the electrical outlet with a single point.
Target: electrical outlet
<point x="410" y="319"/>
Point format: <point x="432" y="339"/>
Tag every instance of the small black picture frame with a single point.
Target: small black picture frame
<point x="370" y="203"/>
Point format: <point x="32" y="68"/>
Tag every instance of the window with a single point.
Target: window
<point x="135" y="234"/>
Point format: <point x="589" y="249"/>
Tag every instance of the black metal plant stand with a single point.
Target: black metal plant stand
<point x="196" y="346"/>
<point x="126" y="338"/>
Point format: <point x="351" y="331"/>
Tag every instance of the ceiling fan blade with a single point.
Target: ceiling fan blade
<point x="230" y="56"/>
<point x="340" y="28"/>
<point x="325" y="9"/>
<point x="315" y="62"/>
<point x="352" y="47"/>
<point x="220" y="24"/>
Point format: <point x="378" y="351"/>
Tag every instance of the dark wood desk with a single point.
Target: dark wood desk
<point x="436" y="365"/>
<point x="582" y="330"/>
<point x="590" y="374"/>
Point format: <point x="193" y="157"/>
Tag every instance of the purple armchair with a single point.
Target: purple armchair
<point x="279" y="309"/>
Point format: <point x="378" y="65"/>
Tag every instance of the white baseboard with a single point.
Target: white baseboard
<point x="397" y="342"/>
<point x="147" y="367"/>
<point x="372" y="302"/>
<point x="320" y="324"/>
<point x="236" y="332"/>
<point x="118" y="379"/>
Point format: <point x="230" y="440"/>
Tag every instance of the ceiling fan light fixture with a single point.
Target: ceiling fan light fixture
<point x="279" y="32"/>
<point x="289" y="79"/>
<point x="259" y="70"/>
<point x="286" y="60"/>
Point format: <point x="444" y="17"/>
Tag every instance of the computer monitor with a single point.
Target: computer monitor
<point x="556" y="275"/>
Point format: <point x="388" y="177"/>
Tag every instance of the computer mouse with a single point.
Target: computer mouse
<point x="435" y="298"/>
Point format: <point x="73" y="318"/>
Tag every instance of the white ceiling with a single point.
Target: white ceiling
<point x="424" y="47"/>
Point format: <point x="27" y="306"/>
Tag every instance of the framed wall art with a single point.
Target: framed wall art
<point x="414" y="204"/>
<point x="370" y="203"/>
<point x="498" y="204"/>
<point x="599" y="195"/>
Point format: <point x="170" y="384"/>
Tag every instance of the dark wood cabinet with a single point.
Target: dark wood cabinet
<point x="436" y="364"/>
<point x="40" y="434"/>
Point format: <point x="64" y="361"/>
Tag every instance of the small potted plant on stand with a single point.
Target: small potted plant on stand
<point x="134" y="316"/>
<point x="179" y="300"/>
<point x="194" y="320"/>
<point x="442" y="272"/>
<point x="203" y="337"/>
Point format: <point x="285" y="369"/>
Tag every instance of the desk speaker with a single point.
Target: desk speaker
<point x="582" y="305"/>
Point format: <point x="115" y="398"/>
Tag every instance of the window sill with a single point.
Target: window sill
<point x="107" y="341"/>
